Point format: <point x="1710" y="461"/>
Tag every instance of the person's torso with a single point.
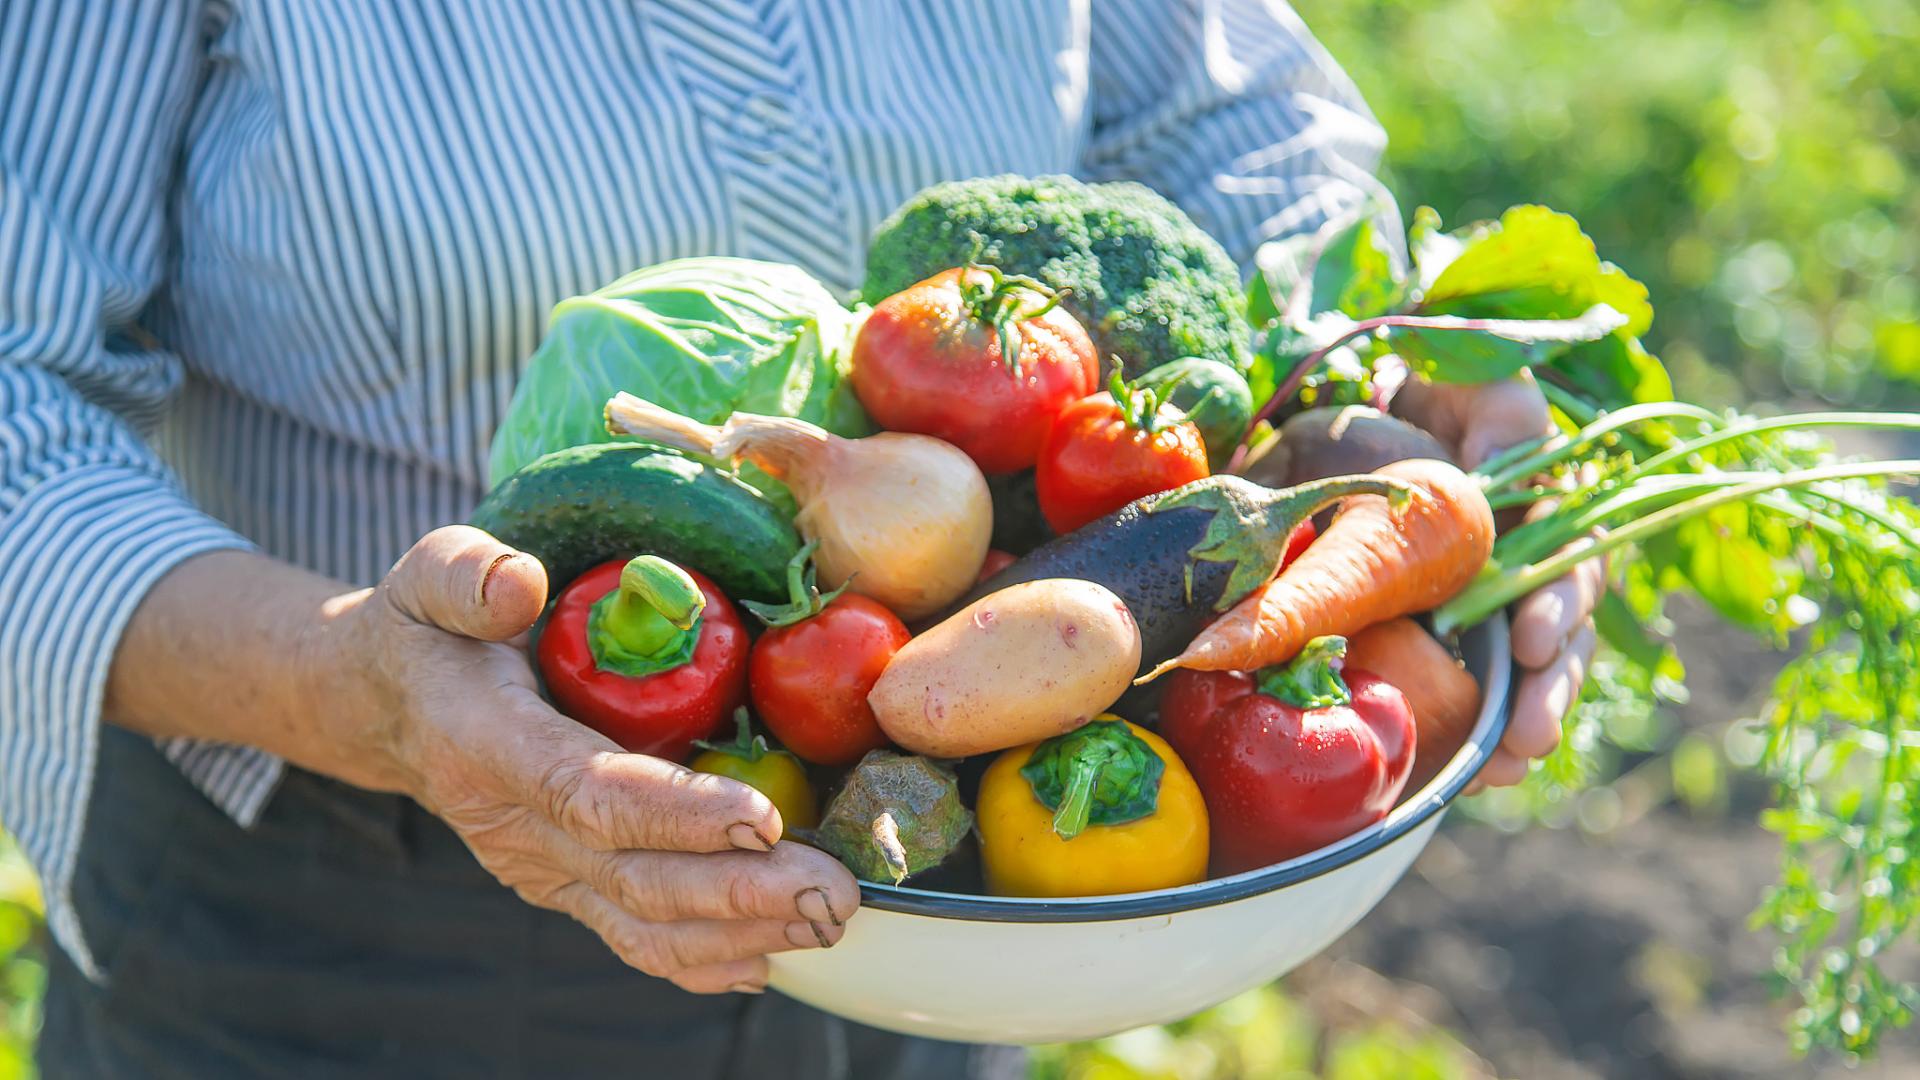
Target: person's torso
<point x="379" y="202"/>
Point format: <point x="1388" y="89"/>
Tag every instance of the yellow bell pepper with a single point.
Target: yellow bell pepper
<point x="1109" y="808"/>
<point x="774" y="773"/>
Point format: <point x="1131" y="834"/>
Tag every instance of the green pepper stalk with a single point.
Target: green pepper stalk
<point x="1099" y="774"/>
<point x="1311" y="680"/>
<point x="650" y="623"/>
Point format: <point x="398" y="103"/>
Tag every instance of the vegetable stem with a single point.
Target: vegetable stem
<point x="1608" y="423"/>
<point x="1077" y="805"/>
<point x="649" y="623"/>
<point x="745" y="745"/>
<point x="1791" y="421"/>
<point x="1496" y="589"/>
<point x="804" y="598"/>
<point x="886" y="841"/>
<point x="1311" y="680"/>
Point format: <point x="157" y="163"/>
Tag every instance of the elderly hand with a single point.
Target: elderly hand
<point x="1553" y="635"/>
<point x="682" y="874"/>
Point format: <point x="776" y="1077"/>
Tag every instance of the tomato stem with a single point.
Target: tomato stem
<point x="1003" y="303"/>
<point x="745" y="745"/>
<point x="804" y="599"/>
<point x="1140" y="405"/>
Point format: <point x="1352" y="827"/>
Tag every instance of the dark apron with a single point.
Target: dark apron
<point x="351" y="934"/>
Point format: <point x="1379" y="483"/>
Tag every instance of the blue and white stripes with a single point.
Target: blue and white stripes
<point x="297" y="251"/>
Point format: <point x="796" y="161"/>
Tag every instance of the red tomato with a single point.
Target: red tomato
<point x="659" y="714"/>
<point x="930" y="360"/>
<point x="810" y="679"/>
<point x="1298" y="541"/>
<point x="1096" y="461"/>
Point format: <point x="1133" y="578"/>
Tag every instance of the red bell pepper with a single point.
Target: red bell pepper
<point x="1290" y="758"/>
<point x="650" y="654"/>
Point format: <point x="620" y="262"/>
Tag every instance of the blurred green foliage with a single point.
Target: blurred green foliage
<point x="1753" y="163"/>
<point x="1265" y="1033"/>
<point x="23" y="971"/>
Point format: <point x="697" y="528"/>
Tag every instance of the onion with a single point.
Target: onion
<point x="904" y="519"/>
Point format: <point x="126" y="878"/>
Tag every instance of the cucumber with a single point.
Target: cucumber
<point x="1180" y="558"/>
<point x="576" y="508"/>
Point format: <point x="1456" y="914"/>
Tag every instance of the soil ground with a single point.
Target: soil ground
<point x="1558" y="955"/>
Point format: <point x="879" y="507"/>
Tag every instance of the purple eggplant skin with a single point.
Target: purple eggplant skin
<point x="1142" y="558"/>
<point x="1179" y="558"/>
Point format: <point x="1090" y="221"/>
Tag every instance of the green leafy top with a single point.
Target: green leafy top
<point x="1754" y="516"/>
<point x="704" y="337"/>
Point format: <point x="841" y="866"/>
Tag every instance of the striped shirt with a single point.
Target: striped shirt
<point x="269" y="268"/>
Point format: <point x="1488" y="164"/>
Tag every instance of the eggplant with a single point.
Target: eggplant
<point x="1179" y="558"/>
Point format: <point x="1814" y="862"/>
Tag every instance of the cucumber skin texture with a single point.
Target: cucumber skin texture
<point x="576" y="508"/>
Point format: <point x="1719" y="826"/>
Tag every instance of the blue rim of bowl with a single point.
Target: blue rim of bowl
<point x="1409" y="815"/>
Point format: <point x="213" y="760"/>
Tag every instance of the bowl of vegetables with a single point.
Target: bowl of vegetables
<point x="950" y="965"/>
<point x="1117" y="701"/>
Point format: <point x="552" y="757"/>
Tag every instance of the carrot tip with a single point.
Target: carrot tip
<point x="1162" y="669"/>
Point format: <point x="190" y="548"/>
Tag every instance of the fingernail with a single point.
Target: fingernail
<point x="807" y="934"/>
<point x="492" y="567"/>
<point x="747" y="988"/>
<point x="747" y="838"/>
<point x="814" y="907"/>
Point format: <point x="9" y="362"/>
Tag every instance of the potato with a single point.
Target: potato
<point x="1329" y="441"/>
<point x="1028" y="662"/>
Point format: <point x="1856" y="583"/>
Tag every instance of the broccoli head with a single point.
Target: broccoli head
<point x="1147" y="283"/>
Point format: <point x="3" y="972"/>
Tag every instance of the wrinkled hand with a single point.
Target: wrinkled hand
<point x="680" y="873"/>
<point x="1553" y="635"/>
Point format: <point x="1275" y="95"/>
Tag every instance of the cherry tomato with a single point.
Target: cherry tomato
<point x="981" y="359"/>
<point x="774" y="773"/>
<point x="809" y="679"/>
<point x="1103" y="454"/>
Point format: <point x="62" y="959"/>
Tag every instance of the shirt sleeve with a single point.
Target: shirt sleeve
<point x="1231" y="109"/>
<point x="93" y="100"/>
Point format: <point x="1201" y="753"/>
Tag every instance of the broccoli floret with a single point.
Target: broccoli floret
<point x="1147" y="283"/>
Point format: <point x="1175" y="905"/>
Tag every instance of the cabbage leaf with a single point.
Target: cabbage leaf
<point x="702" y="336"/>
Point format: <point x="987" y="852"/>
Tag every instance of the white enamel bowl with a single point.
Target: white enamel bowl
<point x="1005" y="970"/>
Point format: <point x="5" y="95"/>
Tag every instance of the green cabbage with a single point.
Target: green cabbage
<point x="703" y="337"/>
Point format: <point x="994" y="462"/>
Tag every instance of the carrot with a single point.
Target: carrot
<point x="1371" y="564"/>
<point x="1445" y="697"/>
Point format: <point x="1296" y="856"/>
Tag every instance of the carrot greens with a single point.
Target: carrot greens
<point x="1756" y="516"/>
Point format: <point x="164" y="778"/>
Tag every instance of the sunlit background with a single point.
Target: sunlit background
<point x="1753" y="163"/>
